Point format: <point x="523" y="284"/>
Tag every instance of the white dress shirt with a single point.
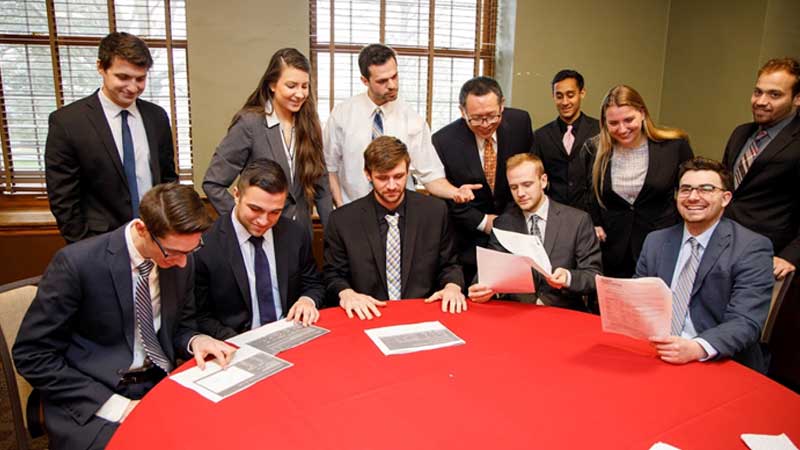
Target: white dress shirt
<point x="689" y="332"/>
<point x="348" y="132"/>
<point x="141" y="148"/>
<point x="248" y="255"/>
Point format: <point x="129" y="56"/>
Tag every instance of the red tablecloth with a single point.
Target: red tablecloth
<point x="528" y="377"/>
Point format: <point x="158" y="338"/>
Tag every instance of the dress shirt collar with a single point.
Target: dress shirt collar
<point x="703" y="238"/>
<point x="542" y="211"/>
<point x="381" y="211"/>
<point x="271" y="116"/>
<point x="242" y="235"/>
<point x="481" y="142"/>
<point x="114" y="109"/>
<point x="562" y="126"/>
<point x="133" y="253"/>
<point x="387" y="107"/>
<point x="775" y="129"/>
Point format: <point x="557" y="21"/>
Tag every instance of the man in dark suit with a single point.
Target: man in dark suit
<point x="720" y="274"/>
<point x="474" y="150"/>
<point x="764" y="158"/>
<point x="234" y="291"/>
<point x="111" y="316"/>
<point x="391" y="244"/>
<point x="558" y="143"/>
<point x="103" y="152"/>
<point x="567" y="233"/>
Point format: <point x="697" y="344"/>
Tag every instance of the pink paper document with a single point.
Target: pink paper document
<point x="638" y="307"/>
<point x="505" y="273"/>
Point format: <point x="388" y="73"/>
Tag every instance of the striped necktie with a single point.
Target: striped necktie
<point x="144" y="318"/>
<point x="393" y="254"/>
<point x="749" y="156"/>
<point x="683" y="288"/>
<point x="533" y="227"/>
<point x="377" y="124"/>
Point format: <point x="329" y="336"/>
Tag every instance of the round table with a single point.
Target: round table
<point x="527" y="377"/>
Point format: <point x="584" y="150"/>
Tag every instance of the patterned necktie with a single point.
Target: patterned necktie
<point x="129" y="163"/>
<point x="393" y="253"/>
<point x="266" y="302"/>
<point x="533" y="227"/>
<point x="683" y="289"/>
<point x="489" y="162"/>
<point x="568" y="140"/>
<point x="377" y="124"/>
<point x="144" y="318"/>
<point x="749" y="156"/>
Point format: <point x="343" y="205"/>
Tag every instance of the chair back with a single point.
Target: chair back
<point x="778" y="292"/>
<point x="15" y="298"/>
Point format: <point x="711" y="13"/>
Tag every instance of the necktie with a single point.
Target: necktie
<point x="568" y="139"/>
<point x="393" y="253"/>
<point x="749" y="156"/>
<point x="683" y="288"/>
<point x="377" y="124"/>
<point x="266" y="302"/>
<point x="129" y="163"/>
<point x="533" y="227"/>
<point x="489" y="162"/>
<point x="144" y="318"/>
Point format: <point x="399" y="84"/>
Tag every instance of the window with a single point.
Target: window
<point x="48" y="54"/>
<point x="440" y="45"/>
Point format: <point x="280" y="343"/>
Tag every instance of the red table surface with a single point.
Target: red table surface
<point x="528" y="377"/>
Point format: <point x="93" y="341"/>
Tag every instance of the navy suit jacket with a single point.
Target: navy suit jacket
<point x="224" y="307"/>
<point x="86" y="183"/>
<point x="732" y="290"/>
<point x="77" y="337"/>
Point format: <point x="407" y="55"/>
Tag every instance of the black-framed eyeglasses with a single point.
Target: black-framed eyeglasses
<point x="176" y="252"/>
<point x="489" y="120"/>
<point x="685" y="190"/>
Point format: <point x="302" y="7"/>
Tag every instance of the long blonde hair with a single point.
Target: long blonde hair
<point x="623" y="95"/>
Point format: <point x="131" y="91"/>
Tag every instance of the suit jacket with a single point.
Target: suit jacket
<point x="77" y="337"/>
<point x="86" y="183"/>
<point x="627" y="225"/>
<point x="355" y="257"/>
<point x="566" y="173"/>
<point x="766" y="201"/>
<point x="570" y="242"/>
<point x="222" y="287"/>
<point x="458" y="150"/>
<point x="732" y="290"/>
<point x="250" y="139"/>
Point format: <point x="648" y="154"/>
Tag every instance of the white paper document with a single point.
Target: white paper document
<point x="638" y="307"/>
<point x="663" y="446"/>
<point x="416" y="337"/>
<point x="503" y="272"/>
<point x="768" y="442"/>
<point x="248" y="366"/>
<point x="278" y="336"/>
<point x="526" y="245"/>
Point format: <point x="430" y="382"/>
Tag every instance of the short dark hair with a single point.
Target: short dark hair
<point x="125" y="46"/>
<point x="479" y="86"/>
<point x="567" y="73"/>
<point x="265" y="174"/>
<point x="374" y="55"/>
<point x="790" y="65"/>
<point x="384" y="154"/>
<point x="173" y="208"/>
<point x="700" y="163"/>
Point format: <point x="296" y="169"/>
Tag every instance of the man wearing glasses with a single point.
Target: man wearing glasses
<point x="720" y="273"/>
<point x="256" y="266"/>
<point x="474" y="150"/>
<point x="112" y="315"/>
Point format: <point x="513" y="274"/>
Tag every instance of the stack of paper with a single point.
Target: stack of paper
<point x="410" y="338"/>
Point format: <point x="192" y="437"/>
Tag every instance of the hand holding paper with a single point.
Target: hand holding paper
<point x="639" y="308"/>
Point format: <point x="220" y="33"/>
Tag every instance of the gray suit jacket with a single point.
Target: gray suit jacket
<point x="732" y="290"/>
<point x="251" y="139"/>
<point x="570" y="242"/>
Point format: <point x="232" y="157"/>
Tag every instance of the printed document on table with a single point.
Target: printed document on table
<point x="416" y="337"/>
<point x="768" y="442"/>
<point x="526" y="245"/>
<point x="247" y="367"/>
<point x="638" y="307"/>
<point x="503" y="272"/>
<point x="278" y="336"/>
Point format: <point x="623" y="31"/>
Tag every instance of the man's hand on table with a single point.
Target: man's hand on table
<point x="365" y="306"/>
<point x="678" y="350"/>
<point x="452" y="298"/>
<point x="203" y="346"/>
<point x="303" y="311"/>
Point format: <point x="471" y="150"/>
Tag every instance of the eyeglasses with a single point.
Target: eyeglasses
<point x="176" y="252"/>
<point x="489" y="120"/>
<point x="704" y="190"/>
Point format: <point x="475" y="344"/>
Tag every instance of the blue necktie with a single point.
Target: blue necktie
<point x="129" y="163"/>
<point x="377" y="124"/>
<point x="266" y="302"/>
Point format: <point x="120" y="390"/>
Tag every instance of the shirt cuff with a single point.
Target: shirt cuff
<point x="482" y="225"/>
<point x="569" y="279"/>
<point x="712" y="352"/>
<point x="113" y="409"/>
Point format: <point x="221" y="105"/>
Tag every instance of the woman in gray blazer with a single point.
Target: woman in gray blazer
<point x="279" y="122"/>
